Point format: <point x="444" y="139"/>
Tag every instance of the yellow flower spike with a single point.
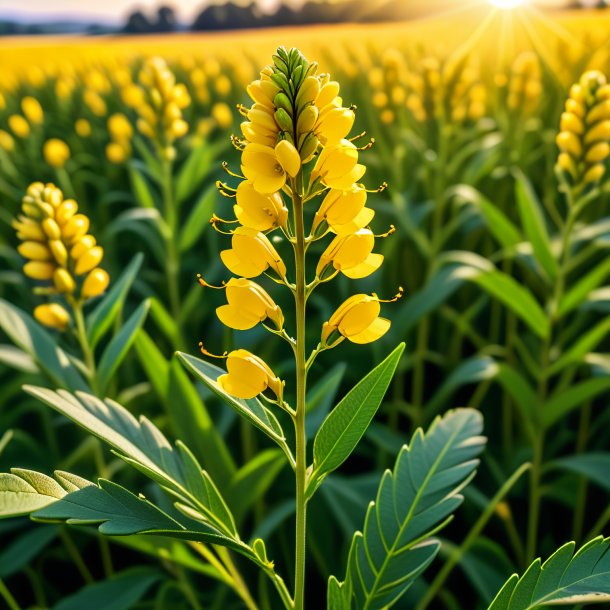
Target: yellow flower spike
<point x="19" y="126"/>
<point x="32" y="110"/>
<point x="56" y="152"/>
<point x="259" y="211"/>
<point x="584" y="139"/>
<point x="63" y="281"/>
<point x="351" y="255"/>
<point x="357" y="320"/>
<point x="75" y="228"/>
<point x="288" y="157"/>
<point x="252" y="254"/>
<point x="95" y="283"/>
<point x="52" y="315"/>
<point x="247" y="375"/>
<point x="248" y="304"/>
<point x="261" y="166"/>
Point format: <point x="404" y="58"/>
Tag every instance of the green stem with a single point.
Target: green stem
<point x="75" y="555"/>
<point x="7" y="597"/>
<point x="81" y="334"/>
<point x="535" y="498"/>
<point x="581" y="496"/>
<point x="301" y="387"/>
<point x="458" y="552"/>
<point x="239" y="584"/>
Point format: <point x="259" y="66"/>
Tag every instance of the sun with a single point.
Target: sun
<point x="506" y="4"/>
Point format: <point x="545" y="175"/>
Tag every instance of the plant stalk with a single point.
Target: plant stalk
<point x="81" y="334"/>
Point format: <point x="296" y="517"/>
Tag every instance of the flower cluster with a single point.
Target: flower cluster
<point x="160" y="108"/>
<point x="295" y="148"/>
<point x="59" y="250"/>
<point x="525" y="87"/>
<point x="584" y="137"/>
<point x="120" y="130"/>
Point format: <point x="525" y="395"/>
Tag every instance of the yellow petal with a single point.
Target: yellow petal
<point x="359" y="317"/>
<point x="237" y="318"/>
<point x="377" y="329"/>
<point x="289" y="158"/>
<point x="370" y="265"/>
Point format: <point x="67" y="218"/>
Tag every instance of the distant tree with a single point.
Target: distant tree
<point x="137" y="23"/>
<point x="166" y="19"/>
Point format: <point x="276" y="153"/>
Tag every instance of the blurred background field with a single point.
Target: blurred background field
<point x="507" y="291"/>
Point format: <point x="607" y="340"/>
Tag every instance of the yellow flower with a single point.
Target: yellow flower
<point x="117" y="153"/>
<point x="52" y="315"/>
<point x="222" y="114"/>
<point x="248" y="304"/>
<point x="95" y="102"/>
<point x="19" y="126"/>
<point x="351" y="254"/>
<point x="6" y="141"/>
<point x="334" y="124"/>
<point x="95" y="283"/>
<point x="119" y="127"/>
<point x="268" y="167"/>
<point x="56" y="152"/>
<point x="337" y="166"/>
<point x="83" y="128"/>
<point x="259" y="211"/>
<point x="32" y="110"/>
<point x="357" y="320"/>
<point x="252" y="254"/>
<point x="343" y="211"/>
<point x="248" y="376"/>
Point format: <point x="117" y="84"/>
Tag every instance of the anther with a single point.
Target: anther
<point x="225" y="166"/>
<point x="214" y="222"/>
<point x="389" y="232"/>
<point x="206" y="353"/>
<point x="225" y="190"/>
<point x="206" y="285"/>
<point x="397" y="296"/>
<point x="242" y="109"/>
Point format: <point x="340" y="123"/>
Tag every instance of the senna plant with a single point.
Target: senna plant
<point x="300" y="181"/>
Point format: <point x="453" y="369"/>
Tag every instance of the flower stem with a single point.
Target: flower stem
<point x="299" y="420"/>
<point x="5" y="594"/>
<point x="81" y="334"/>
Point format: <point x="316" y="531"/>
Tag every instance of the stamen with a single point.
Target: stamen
<point x="214" y="222"/>
<point x="389" y="232"/>
<point x="206" y="353"/>
<point x="367" y="146"/>
<point x="206" y="285"/>
<point x="238" y="143"/>
<point x="225" y="190"/>
<point x="243" y="110"/>
<point x="360" y="135"/>
<point x="382" y="187"/>
<point x="225" y="166"/>
<point x="397" y="296"/>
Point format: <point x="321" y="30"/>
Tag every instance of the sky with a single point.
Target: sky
<point x="116" y="10"/>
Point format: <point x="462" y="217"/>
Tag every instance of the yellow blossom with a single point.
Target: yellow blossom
<point x="343" y="211"/>
<point x="19" y="126"/>
<point x="259" y="211"/>
<point x="32" y="110"/>
<point x="56" y="152"/>
<point x="52" y="315"/>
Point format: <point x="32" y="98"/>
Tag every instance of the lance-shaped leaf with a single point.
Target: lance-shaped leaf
<point x="23" y="491"/>
<point x="252" y="409"/>
<point x="413" y="502"/>
<point x="565" y="578"/>
<point x="144" y="446"/>
<point x="347" y="422"/>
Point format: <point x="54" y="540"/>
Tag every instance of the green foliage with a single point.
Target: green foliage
<point x="414" y="501"/>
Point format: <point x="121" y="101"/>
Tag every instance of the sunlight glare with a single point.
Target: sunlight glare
<point x="506" y="4"/>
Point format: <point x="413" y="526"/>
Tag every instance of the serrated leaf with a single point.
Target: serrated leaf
<point x="36" y="342"/>
<point x="119" y="345"/>
<point x="24" y="491"/>
<point x="100" y="319"/>
<point x="413" y="501"/>
<point x="253" y="410"/>
<point x="565" y="578"/>
<point x="347" y="422"/>
<point x="142" y="445"/>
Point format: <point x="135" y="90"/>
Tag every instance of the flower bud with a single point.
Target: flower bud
<point x="95" y="283"/>
<point x="53" y="316"/>
<point x="63" y="281"/>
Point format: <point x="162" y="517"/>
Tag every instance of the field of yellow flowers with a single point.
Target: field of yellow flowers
<point x="212" y="246"/>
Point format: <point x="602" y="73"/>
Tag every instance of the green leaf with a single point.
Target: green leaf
<point x="196" y="168"/>
<point x="564" y="401"/>
<point x="503" y="230"/>
<point x="121" y="591"/>
<point x="578" y="350"/>
<point x="199" y="219"/>
<point x="512" y="294"/>
<point x="533" y="221"/>
<point x="347" y="422"/>
<point x="521" y="391"/>
<point x="253" y="410"/>
<point x="100" y="319"/>
<point x="252" y="480"/>
<point x="17" y="359"/>
<point x="119" y="345"/>
<point x="413" y="502"/>
<point x="593" y="466"/>
<point x="143" y="446"/>
<point x="321" y="396"/>
<point x="23" y="549"/>
<point x="36" y="342"/>
<point x="153" y="362"/>
<point x="24" y="491"/>
<point x="582" y="288"/>
<point x="565" y="578"/>
<point x="142" y="192"/>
